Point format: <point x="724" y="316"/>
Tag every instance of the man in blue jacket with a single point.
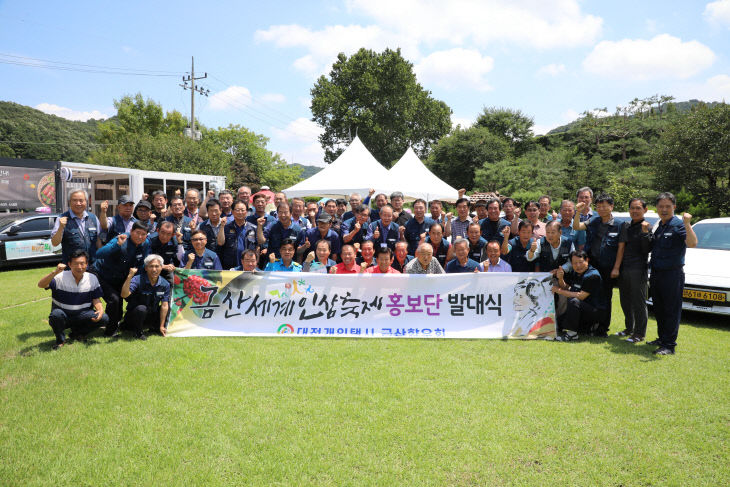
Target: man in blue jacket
<point x="669" y="244"/>
<point x="605" y="242"/>
<point x="112" y="265"/>
<point x="77" y="229"/>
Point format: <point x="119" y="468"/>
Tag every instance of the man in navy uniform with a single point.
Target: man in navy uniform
<point x="148" y="298"/>
<point x="212" y="226"/>
<point x="493" y="225"/>
<point x="238" y="235"/>
<point x="201" y="257"/>
<point x="605" y="243"/>
<point x="76" y="299"/>
<point x="119" y="223"/>
<point x="384" y="232"/>
<point x="669" y="243"/>
<point x="271" y="235"/>
<point x="183" y="224"/>
<point x="164" y="244"/>
<point x="586" y="303"/>
<point x="355" y="229"/>
<point x="112" y="265"/>
<point x="321" y="231"/>
<point x="77" y="229"/>
<point x="415" y="228"/>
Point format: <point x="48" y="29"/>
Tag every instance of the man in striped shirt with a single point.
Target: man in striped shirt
<point x="76" y="296"/>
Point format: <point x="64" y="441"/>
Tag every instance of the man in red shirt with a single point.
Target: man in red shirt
<point x="348" y="264"/>
<point x="383" y="257"/>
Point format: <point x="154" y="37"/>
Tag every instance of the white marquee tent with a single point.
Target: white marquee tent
<point x="410" y="176"/>
<point x="355" y="171"/>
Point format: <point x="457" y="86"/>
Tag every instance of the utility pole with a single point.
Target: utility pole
<point x="191" y="79"/>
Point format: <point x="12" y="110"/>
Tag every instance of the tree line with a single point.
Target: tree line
<point x="644" y="147"/>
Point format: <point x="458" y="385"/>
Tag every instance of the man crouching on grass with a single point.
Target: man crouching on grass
<point x="76" y="299"/>
<point x="148" y="298"/>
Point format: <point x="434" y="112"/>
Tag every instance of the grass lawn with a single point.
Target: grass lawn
<point x="312" y="411"/>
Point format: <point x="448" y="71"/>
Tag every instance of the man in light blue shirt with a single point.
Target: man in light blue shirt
<point x="494" y="262"/>
<point x="286" y="263"/>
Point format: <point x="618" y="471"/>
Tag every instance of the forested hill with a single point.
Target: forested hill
<point x="678" y="106"/>
<point x="28" y="133"/>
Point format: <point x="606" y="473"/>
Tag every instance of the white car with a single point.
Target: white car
<point x="707" y="269"/>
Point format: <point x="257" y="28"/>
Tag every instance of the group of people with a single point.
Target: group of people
<point x="133" y="254"/>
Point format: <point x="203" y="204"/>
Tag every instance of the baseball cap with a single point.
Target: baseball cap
<point x="125" y="199"/>
<point x="324" y="217"/>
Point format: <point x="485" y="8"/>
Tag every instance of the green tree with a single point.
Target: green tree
<point x="512" y="125"/>
<point x="456" y="157"/>
<point x="377" y="97"/>
<point x="694" y="153"/>
<point x="139" y="117"/>
<point x="531" y="175"/>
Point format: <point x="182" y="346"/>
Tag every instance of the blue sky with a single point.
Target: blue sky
<point x="552" y="59"/>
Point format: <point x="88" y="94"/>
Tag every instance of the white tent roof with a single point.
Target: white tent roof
<point x="414" y="180"/>
<point x="355" y="171"/>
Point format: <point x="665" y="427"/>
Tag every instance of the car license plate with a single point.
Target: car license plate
<point x="704" y="295"/>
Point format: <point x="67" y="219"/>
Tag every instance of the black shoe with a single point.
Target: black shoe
<point x="663" y="351"/>
<point x="624" y="333"/>
<point x="56" y="346"/>
<point x="600" y="334"/>
<point x="111" y="331"/>
<point x="655" y="343"/>
<point x="142" y="336"/>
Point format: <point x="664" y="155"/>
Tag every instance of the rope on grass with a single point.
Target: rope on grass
<point x="23" y="304"/>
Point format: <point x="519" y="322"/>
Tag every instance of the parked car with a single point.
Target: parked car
<point x="26" y="238"/>
<point x="649" y="216"/>
<point x="707" y="269"/>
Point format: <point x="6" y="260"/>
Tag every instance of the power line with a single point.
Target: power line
<point x="33" y="63"/>
<point x="176" y="73"/>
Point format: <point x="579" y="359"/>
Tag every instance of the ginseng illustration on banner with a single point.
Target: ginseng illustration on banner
<point x="485" y="305"/>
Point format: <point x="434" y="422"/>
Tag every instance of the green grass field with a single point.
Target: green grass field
<point x="307" y="411"/>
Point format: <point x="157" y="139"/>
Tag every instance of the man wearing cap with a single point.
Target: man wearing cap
<point x="121" y="222"/>
<point x="322" y="231"/>
<point x="76" y="229"/>
<point x="143" y="214"/>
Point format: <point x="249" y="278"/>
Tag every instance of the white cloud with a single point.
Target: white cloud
<point x="69" y="113"/>
<point x="413" y="25"/>
<point x="455" y="68"/>
<point x="540" y="24"/>
<point x="299" y="142"/>
<point x="273" y="98"/>
<point x="661" y="57"/>
<point x="551" y="70"/>
<point x="231" y="97"/>
<point x="716" y="88"/>
<point x="718" y="12"/>
<point x="324" y="45"/>
<point x="301" y="130"/>
<point x="463" y="121"/>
